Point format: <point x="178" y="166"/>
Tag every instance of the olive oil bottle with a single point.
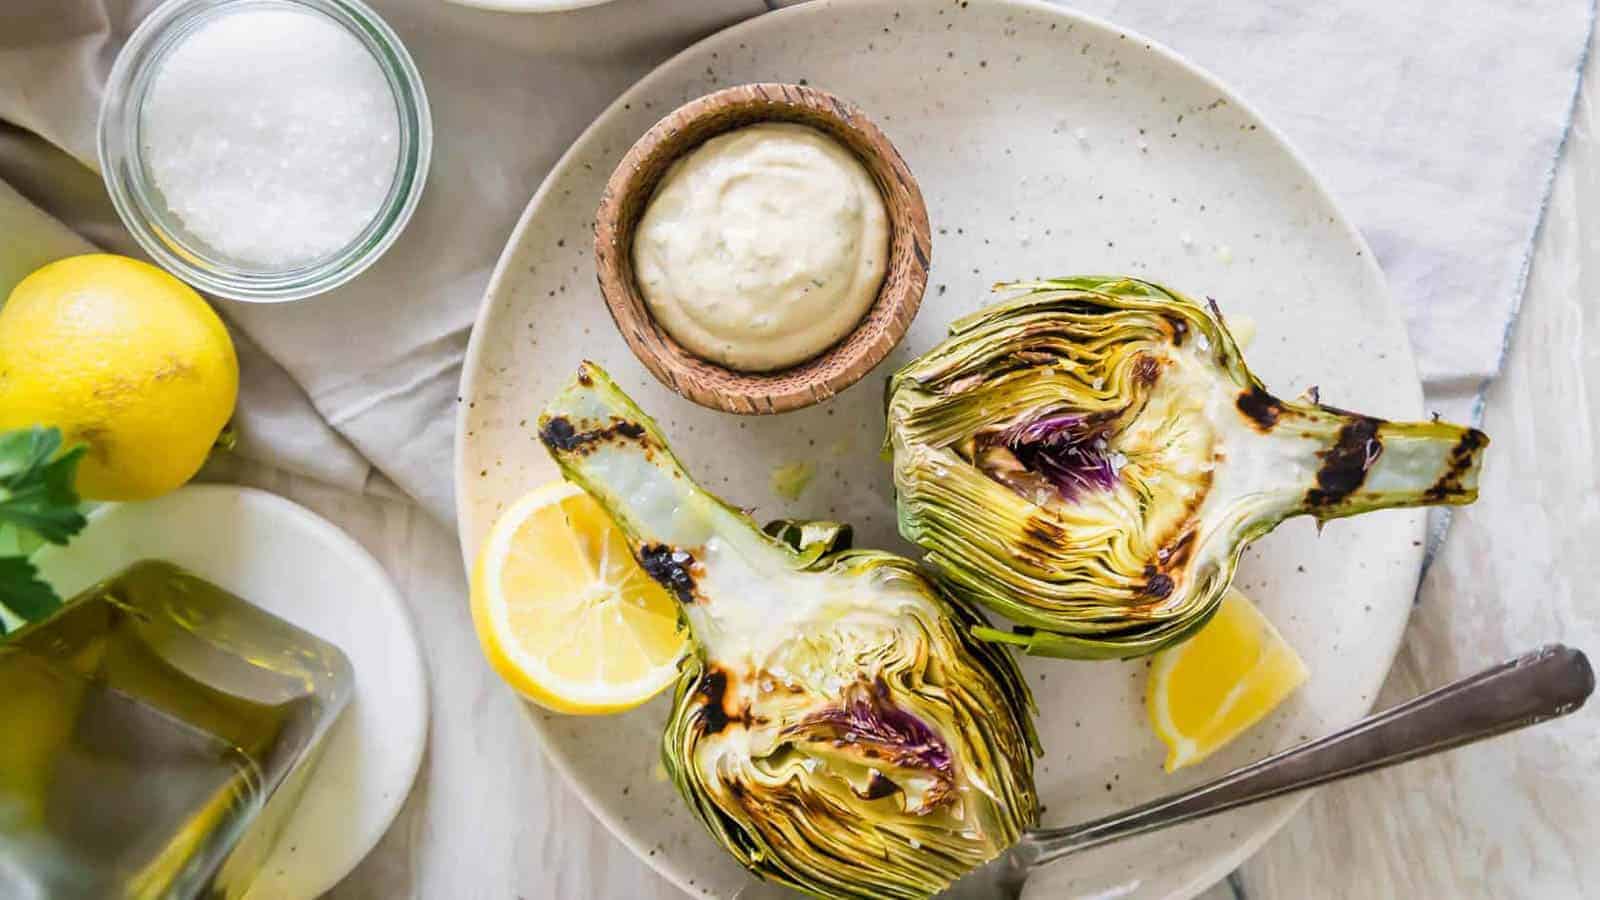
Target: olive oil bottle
<point x="155" y="733"/>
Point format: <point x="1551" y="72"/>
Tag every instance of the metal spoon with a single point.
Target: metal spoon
<point x="1533" y="688"/>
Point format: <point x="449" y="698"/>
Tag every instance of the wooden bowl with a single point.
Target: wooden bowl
<point x="757" y="393"/>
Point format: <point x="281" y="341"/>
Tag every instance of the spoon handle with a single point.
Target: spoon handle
<point x="1535" y="687"/>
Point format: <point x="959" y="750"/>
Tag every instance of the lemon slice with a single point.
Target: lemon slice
<point x="1211" y="688"/>
<point x="565" y="614"/>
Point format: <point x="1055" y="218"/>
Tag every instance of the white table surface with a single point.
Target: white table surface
<point x="1510" y="818"/>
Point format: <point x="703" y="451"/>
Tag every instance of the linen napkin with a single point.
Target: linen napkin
<point x="1435" y="123"/>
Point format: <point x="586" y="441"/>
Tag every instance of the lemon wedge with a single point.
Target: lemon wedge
<point x="1211" y="688"/>
<point x="564" y="613"/>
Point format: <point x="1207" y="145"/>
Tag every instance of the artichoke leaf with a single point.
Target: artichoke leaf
<point x="839" y="728"/>
<point x="812" y="540"/>
<point x="1090" y="456"/>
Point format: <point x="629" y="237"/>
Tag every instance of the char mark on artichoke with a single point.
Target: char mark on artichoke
<point x="1345" y="464"/>
<point x="1461" y="467"/>
<point x="713" y="690"/>
<point x="839" y="727"/>
<point x="1260" y="407"/>
<point x="671" y="567"/>
<point x="1090" y="457"/>
<point x="559" y="433"/>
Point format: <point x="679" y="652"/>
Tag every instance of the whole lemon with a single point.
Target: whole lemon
<point x="125" y="358"/>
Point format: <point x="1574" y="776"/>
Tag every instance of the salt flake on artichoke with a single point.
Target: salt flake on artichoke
<point x="1091" y="456"/>
<point x="839" y="728"/>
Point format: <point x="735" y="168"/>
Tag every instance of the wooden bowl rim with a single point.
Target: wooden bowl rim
<point x="633" y="183"/>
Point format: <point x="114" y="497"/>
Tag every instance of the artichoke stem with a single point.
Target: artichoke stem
<point x="606" y="444"/>
<point x="1359" y="463"/>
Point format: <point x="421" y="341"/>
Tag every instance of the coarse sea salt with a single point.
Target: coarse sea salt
<point x="272" y="134"/>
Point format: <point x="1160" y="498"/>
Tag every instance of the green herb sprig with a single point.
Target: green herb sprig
<point x="38" y="505"/>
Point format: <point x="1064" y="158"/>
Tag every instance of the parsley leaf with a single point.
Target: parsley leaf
<point x="36" y="484"/>
<point x="38" y="500"/>
<point x="22" y="591"/>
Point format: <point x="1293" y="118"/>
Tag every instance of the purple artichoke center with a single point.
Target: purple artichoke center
<point x="1066" y="449"/>
<point x="897" y="747"/>
<point x="868" y="717"/>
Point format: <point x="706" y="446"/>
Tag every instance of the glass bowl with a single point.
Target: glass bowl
<point x="144" y="211"/>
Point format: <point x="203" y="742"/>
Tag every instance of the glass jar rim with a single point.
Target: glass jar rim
<point x="144" y="213"/>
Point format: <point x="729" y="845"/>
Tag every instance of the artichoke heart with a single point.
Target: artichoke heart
<point x="1090" y="456"/>
<point x="839" y="728"/>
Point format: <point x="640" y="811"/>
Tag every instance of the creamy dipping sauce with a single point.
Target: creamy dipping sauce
<point x="762" y="247"/>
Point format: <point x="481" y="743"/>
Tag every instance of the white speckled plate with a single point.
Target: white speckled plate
<point x="1046" y="143"/>
<point x="296" y="565"/>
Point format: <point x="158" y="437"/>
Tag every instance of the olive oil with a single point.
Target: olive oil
<point x="154" y="735"/>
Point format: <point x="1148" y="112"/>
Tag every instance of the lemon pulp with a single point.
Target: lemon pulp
<point x="565" y="614"/>
<point x="1207" y="691"/>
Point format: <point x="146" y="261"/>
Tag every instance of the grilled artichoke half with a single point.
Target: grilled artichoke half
<point x="1090" y="457"/>
<point x="839" y="729"/>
